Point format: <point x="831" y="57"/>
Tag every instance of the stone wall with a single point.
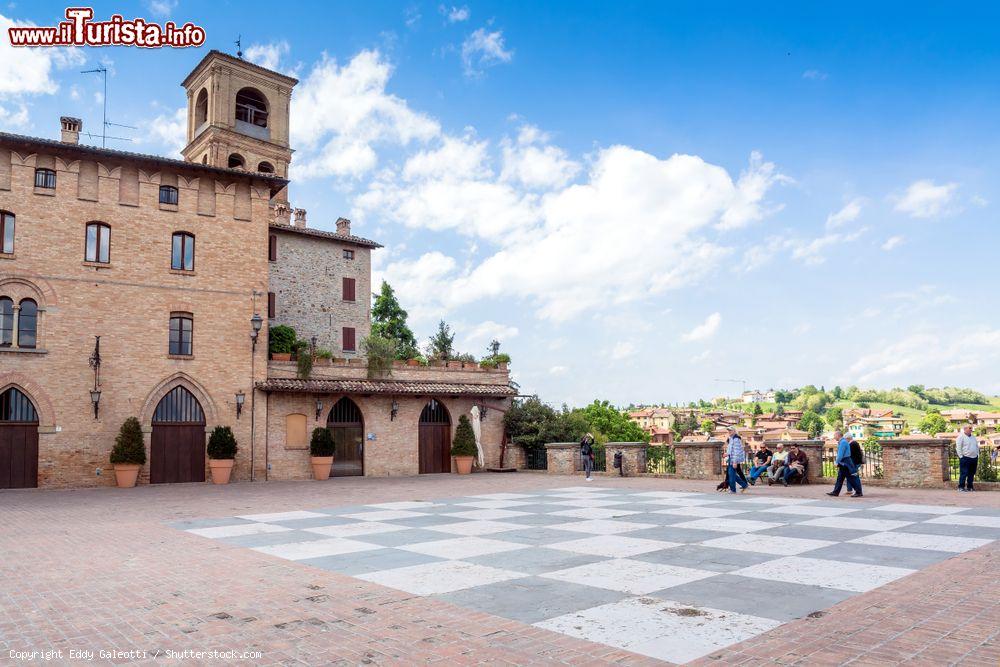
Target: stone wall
<point x="699" y="460"/>
<point x="128" y="302"/>
<point x="562" y="457"/>
<point x="915" y="461"/>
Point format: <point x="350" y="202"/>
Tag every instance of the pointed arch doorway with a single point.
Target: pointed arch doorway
<point x="177" y="445"/>
<point x="18" y="441"/>
<point x="434" y="439"/>
<point x="347" y="427"/>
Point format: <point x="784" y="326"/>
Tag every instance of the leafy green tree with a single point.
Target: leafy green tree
<point x="757" y="410"/>
<point x="464" y="443"/>
<point x="811" y="423"/>
<point x="129" y="447"/>
<point x="835" y="417"/>
<point x="707" y="426"/>
<point x="379" y="353"/>
<point x="280" y="339"/>
<point x="612" y="423"/>
<point x="780" y="410"/>
<point x="690" y="423"/>
<point x="932" y="423"/>
<point x="389" y="321"/>
<point x="221" y="443"/>
<point x="838" y="393"/>
<point x="442" y="342"/>
<point x="531" y="423"/>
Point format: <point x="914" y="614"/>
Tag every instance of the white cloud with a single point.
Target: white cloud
<point x="814" y="74"/>
<point x="484" y="49"/>
<point x="269" y="56"/>
<point x="558" y="370"/>
<point x="747" y="202"/>
<point x="892" y="243"/>
<point x="340" y="114"/>
<point x="704" y="330"/>
<point x="622" y="350"/>
<point x="29" y="71"/>
<point x="455" y="14"/>
<point x="927" y="353"/>
<point x="161" y="7"/>
<point x="849" y="213"/>
<point x="16" y="117"/>
<point x="701" y="357"/>
<point x="169" y="131"/>
<point x="532" y="162"/>
<point x="475" y="339"/>
<point x="812" y="252"/>
<point x="925" y="199"/>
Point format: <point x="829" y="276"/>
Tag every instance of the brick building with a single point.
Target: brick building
<point x="167" y="262"/>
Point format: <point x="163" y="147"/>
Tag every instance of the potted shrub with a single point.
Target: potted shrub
<point x="321" y="452"/>
<point x="221" y="454"/>
<point x="303" y="360"/>
<point x="464" y="446"/>
<point x="129" y="453"/>
<point x="280" y="342"/>
<point x="380" y="353"/>
<point x="323" y="357"/>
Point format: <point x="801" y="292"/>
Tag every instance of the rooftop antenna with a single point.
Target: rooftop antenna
<point x="239" y="46"/>
<point x="105" y="123"/>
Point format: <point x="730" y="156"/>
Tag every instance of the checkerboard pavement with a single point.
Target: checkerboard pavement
<point x="672" y="575"/>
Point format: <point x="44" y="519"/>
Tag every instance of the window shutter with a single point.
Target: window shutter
<point x="272" y="248"/>
<point x="348" y="338"/>
<point x="270" y="305"/>
<point x="348" y="289"/>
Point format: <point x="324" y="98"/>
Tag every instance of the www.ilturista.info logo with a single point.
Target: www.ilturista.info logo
<point x="80" y="30"/>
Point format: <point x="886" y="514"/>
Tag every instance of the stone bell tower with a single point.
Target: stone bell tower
<point x="238" y="115"/>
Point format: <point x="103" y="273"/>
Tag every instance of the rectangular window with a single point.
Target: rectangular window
<point x="168" y="195"/>
<point x="98" y="243"/>
<point x="182" y="252"/>
<point x="270" y="305"/>
<point x="6" y="232"/>
<point x="348" y="289"/>
<point x="348" y="254"/>
<point x="45" y="178"/>
<point x="348" y="337"/>
<point x="272" y="248"/>
<point x="181" y="335"/>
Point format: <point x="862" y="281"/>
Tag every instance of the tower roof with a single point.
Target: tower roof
<point x="214" y="53"/>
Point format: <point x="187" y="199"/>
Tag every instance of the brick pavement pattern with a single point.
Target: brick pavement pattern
<point x="100" y="569"/>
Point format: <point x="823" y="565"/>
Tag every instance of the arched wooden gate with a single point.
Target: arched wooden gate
<point x="434" y="438"/>
<point x="18" y="441"/>
<point x="348" y="430"/>
<point x="177" y="446"/>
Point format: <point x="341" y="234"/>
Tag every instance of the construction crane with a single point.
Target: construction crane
<point x="742" y="382"/>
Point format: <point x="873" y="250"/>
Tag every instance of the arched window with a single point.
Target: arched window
<point x="27" y="323"/>
<point x="265" y="168"/>
<point x="236" y="161"/>
<point x="45" y="178"/>
<point x="98" y="243"/>
<point x="6" y="321"/>
<point x="6" y="232"/>
<point x="251" y="107"/>
<point x="16" y="407"/>
<point x="182" y="253"/>
<point x="168" y="195"/>
<point x="201" y="108"/>
<point x="181" y="332"/>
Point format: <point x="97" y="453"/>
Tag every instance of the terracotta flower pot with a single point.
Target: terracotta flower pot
<point x="412" y="362"/>
<point x="281" y="356"/>
<point x="221" y="470"/>
<point x="463" y="464"/>
<point x="321" y="466"/>
<point x="126" y="474"/>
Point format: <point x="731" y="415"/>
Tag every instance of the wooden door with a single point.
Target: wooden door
<point x="177" y="445"/>
<point x="347" y="427"/>
<point x="434" y="439"/>
<point x="18" y="441"/>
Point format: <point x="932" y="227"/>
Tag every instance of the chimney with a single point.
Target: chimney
<point x="281" y="213"/>
<point x="343" y="226"/>
<point x="300" y="217"/>
<point x="70" y="129"/>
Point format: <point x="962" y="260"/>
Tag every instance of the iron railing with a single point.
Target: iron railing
<point x="535" y="458"/>
<point x="659" y="460"/>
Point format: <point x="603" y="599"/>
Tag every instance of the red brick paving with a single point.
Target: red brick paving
<point x="99" y="569"/>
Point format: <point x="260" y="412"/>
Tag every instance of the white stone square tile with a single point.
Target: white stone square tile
<point x="476" y="527"/>
<point x="766" y="544"/>
<point x="492" y="504"/>
<point x="668" y="494"/>
<point x="575" y="489"/>
<point x="462" y="547"/>
<point x="384" y="515"/>
<point x="810" y="510"/>
<point x="856" y="523"/>
<point x="770" y="500"/>
<point x="857" y="577"/>
<point x="968" y="520"/>
<point x="602" y="526"/>
<point x="680" y="502"/>
<point x="594" y="513"/>
<point x="237" y="530"/>
<point x="921" y="541"/>
<point x="660" y="629"/>
<point x="612" y="546"/>
<point x="703" y="511"/>
<point x="335" y="546"/>
<point x="589" y="502"/>
<point x="485" y="515"/>
<point x="355" y="529"/>
<point x="440" y="577"/>
<point x="919" y="509"/>
<point x="504" y="496"/>
<point x="629" y="576"/>
<point x="282" y="516"/>
<point x="404" y="505"/>
<point x="729" y="525"/>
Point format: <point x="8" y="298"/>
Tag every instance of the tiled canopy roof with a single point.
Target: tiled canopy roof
<point x="397" y="387"/>
<point x="322" y="234"/>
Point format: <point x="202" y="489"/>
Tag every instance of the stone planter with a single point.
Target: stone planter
<point x="319" y="361"/>
<point x="281" y="356"/>
<point x="412" y="362"/>
<point x="321" y="466"/>
<point x="126" y="474"/>
<point x="221" y="469"/>
<point x="463" y="464"/>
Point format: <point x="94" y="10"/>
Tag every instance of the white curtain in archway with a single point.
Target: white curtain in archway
<point x="477" y="430"/>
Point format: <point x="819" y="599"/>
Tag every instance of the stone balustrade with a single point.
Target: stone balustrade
<point x="631" y="453"/>
<point x="562" y="457"/>
<point x="915" y="461"/>
<point x="813" y="450"/>
<point x="699" y="460"/>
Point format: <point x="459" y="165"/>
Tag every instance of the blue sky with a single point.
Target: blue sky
<point x="636" y="198"/>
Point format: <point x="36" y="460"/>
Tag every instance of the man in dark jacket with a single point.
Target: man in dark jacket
<point x="587" y="455"/>
<point x="847" y="469"/>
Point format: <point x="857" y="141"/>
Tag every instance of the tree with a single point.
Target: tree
<point x="441" y="345"/>
<point x="464" y="443"/>
<point x="129" y="447"/>
<point x="811" y="423"/>
<point x="612" y="423"/>
<point x="707" y="426"/>
<point x="221" y="443"/>
<point x="690" y="423"/>
<point x="838" y="393"/>
<point x="531" y="423"/>
<point x="757" y="411"/>
<point x="389" y="321"/>
<point x="780" y="410"/>
<point x="835" y="417"/>
<point x="932" y="423"/>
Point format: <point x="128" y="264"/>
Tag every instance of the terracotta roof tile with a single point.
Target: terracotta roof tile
<point x="398" y="387"/>
<point x="332" y="236"/>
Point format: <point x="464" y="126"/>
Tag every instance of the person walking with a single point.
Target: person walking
<point x="847" y="470"/>
<point x="967" y="448"/>
<point x="587" y="455"/>
<point x="735" y="456"/>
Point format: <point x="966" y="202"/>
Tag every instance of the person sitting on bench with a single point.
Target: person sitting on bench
<point x="777" y="468"/>
<point x="795" y="465"/>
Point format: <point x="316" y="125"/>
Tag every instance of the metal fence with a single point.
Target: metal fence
<point x="658" y="460"/>
<point x="535" y="458"/>
<point x="871" y="468"/>
<point x="600" y="459"/>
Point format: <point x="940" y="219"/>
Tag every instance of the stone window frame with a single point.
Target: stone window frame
<point x="8" y="222"/>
